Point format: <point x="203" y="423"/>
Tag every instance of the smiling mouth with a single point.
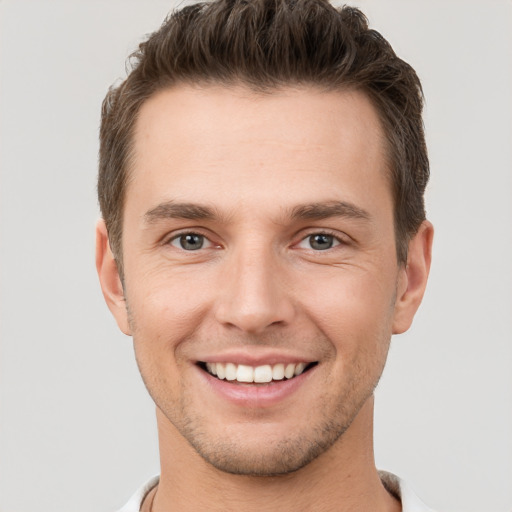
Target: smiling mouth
<point x="256" y="374"/>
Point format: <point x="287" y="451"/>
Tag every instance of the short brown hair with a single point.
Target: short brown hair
<point x="267" y="45"/>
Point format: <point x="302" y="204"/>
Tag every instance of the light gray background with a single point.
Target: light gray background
<point x="77" y="429"/>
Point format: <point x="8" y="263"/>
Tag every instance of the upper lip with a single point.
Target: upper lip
<point x="255" y="359"/>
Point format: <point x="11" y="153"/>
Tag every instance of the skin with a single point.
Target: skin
<point x="258" y="288"/>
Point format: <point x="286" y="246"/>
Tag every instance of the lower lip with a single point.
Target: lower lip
<point x="256" y="395"/>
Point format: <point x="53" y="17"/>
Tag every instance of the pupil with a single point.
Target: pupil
<point x="321" y="242"/>
<point x="191" y="242"/>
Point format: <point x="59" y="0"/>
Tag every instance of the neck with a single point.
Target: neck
<point x="342" y="479"/>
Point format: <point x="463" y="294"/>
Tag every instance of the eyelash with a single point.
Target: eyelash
<point x="337" y="239"/>
<point x="178" y="236"/>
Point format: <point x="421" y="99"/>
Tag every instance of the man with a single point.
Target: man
<point x="261" y="181"/>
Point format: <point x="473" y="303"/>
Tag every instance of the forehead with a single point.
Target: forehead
<point x="215" y="142"/>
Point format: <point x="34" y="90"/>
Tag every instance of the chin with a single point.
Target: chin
<point x="265" y="457"/>
<point x="280" y="461"/>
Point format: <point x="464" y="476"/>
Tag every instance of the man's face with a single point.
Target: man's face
<point x="258" y="238"/>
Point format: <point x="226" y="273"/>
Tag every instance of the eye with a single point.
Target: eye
<point x="190" y="242"/>
<point x="319" y="242"/>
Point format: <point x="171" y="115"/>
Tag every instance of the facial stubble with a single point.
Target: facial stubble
<point x="235" y="453"/>
<point x="229" y="454"/>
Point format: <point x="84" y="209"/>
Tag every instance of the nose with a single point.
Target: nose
<point x="254" y="295"/>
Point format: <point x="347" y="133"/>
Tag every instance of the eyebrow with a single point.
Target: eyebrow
<point x="319" y="211"/>
<point x="173" y="210"/>
<point x="311" y="211"/>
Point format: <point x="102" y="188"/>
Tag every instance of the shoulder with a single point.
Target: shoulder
<point x="403" y="491"/>
<point x="135" y="502"/>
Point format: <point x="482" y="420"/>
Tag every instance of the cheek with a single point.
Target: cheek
<point x="161" y="320"/>
<point x="167" y="299"/>
<point x="355" y="314"/>
<point x="351" y="301"/>
<point x="165" y="309"/>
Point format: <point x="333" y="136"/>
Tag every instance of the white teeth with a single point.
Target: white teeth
<point x="221" y="371"/>
<point x="278" y="372"/>
<point x="230" y="371"/>
<point x="244" y="373"/>
<point x="289" y="371"/>
<point x="299" y="368"/>
<point x="263" y="373"/>
<point x="259" y="374"/>
<point x="211" y="367"/>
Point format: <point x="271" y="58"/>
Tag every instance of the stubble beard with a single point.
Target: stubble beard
<point x="231" y="453"/>
<point x="271" y="460"/>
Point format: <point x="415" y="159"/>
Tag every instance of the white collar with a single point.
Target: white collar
<point x="393" y="484"/>
<point x="403" y="491"/>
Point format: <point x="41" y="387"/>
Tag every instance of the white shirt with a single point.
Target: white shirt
<point x="396" y="486"/>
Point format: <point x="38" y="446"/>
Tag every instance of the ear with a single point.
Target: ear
<point x="412" y="279"/>
<point x="110" y="281"/>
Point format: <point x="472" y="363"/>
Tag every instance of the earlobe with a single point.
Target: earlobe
<point x="413" y="278"/>
<point x="110" y="281"/>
